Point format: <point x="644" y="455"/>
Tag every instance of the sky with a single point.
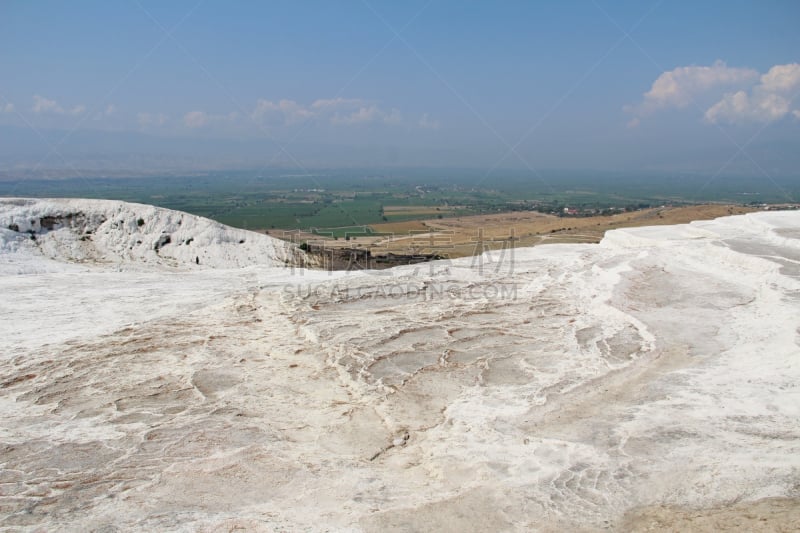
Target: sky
<point x="547" y="84"/>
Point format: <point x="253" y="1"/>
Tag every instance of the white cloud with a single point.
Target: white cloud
<point x="151" y="119"/>
<point x="8" y="108"/>
<point x="428" y="123"/>
<point x="677" y="88"/>
<point x="359" y="116"/>
<point x="771" y="99"/>
<point x="393" y="117"/>
<point x="741" y="106"/>
<point x="46" y="105"/>
<point x="287" y="111"/>
<point x="340" y="111"/>
<point x="195" y="119"/>
<point x="782" y="78"/>
<point x="366" y="115"/>
<point x="200" y="119"/>
<point x="110" y="110"/>
<point x="754" y="98"/>
<point x="336" y="103"/>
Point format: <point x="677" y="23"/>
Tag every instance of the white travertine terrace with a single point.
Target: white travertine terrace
<point x="562" y="387"/>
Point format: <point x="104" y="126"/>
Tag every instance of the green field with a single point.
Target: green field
<point x="347" y="203"/>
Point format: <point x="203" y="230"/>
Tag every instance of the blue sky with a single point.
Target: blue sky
<point x="524" y="84"/>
